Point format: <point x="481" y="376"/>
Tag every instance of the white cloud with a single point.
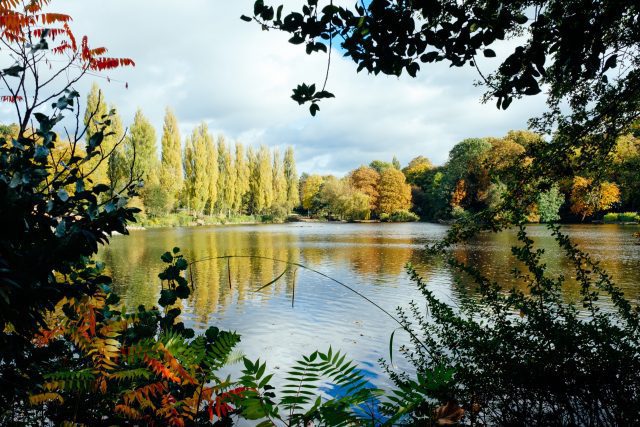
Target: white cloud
<point x="199" y="58"/>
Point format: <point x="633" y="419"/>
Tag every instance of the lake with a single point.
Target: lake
<point x="304" y="311"/>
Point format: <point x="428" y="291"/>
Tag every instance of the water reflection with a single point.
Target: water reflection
<point x="368" y="257"/>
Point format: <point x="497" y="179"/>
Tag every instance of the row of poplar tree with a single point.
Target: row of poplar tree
<point x="205" y="175"/>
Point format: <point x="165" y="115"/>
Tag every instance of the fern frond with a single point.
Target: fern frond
<point x="41" y="398"/>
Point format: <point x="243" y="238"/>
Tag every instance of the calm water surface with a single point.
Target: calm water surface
<point x="368" y="257"/>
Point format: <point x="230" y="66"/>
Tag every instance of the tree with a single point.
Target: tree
<point x="395" y="193"/>
<point x="171" y="173"/>
<point x="53" y="218"/>
<point x="212" y="172"/>
<point x="416" y="168"/>
<point x="291" y="178"/>
<point x="466" y="164"/>
<point x="279" y="182"/>
<point x="549" y="204"/>
<point x="396" y="163"/>
<point x="196" y="191"/>
<point x="242" y="179"/>
<point x="118" y="171"/>
<point x="309" y="188"/>
<point x="142" y="142"/>
<point x="94" y="117"/>
<point x="226" y="178"/>
<point x="379" y="166"/>
<point x="365" y="180"/>
<point x="589" y="198"/>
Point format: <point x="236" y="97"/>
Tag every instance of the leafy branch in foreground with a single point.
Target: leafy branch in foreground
<point x="133" y="367"/>
<point x="300" y="402"/>
<point x="531" y="358"/>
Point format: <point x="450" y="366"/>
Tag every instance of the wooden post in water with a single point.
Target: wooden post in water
<point x="229" y="271"/>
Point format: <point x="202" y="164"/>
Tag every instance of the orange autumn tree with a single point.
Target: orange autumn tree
<point x="589" y="198"/>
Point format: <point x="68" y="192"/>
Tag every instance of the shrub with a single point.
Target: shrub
<point x="611" y="218"/>
<point x="525" y="358"/>
<point x="403" y="216"/>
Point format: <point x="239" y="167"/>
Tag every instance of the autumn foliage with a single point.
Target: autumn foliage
<point x="588" y="197"/>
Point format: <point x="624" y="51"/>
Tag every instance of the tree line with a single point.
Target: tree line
<point x="206" y="175"/>
<point x="378" y="191"/>
<point x="478" y="170"/>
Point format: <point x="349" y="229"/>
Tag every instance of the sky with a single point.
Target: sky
<point x="200" y="59"/>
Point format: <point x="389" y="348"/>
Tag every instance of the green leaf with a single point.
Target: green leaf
<point x="246" y="18"/>
<point x="63" y="195"/>
<point x="489" y="53"/>
<point x="313" y="109"/>
<point x="167" y="257"/>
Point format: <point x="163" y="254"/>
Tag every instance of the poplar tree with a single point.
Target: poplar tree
<point x="291" y="178"/>
<point x="279" y="182"/>
<point x="211" y="168"/>
<point x="142" y="139"/>
<point x="171" y="176"/>
<point x="118" y="171"/>
<point x="241" y="187"/>
<point x="254" y="201"/>
<point x="226" y="178"/>
<point x="95" y="114"/>
<point x="265" y="177"/>
<point x="196" y="169"/>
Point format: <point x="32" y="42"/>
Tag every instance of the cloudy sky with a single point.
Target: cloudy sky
<point x="200" y="59"/>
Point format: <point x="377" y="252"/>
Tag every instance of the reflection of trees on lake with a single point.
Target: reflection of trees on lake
<point x="492" y="255"/>
<point x="365" y="258"/>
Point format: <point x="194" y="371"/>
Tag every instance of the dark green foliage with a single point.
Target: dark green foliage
<point x="529" y="357"/>
<point x="301" y="402"/>
<point x="51" y="219"/>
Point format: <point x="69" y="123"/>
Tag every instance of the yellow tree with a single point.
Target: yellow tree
<point x="309" y="188"/>
<point x="365" y="180"/>
<point x="394" y="192"/>
<point x="279" y="182"/>
<point x="171" y="178"/>
<point x="291" y="177"/>
<point x="226" y="178"/>
<point x="588" y="198"/>
<point x="212" y="171"/>
<point x="242" y="178"/>
<point x="416" y="168"/>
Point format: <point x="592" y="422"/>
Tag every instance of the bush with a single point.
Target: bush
<point x="612" y="218"/>
<point x="403" y="216"/>
<point x="509" y="357"/>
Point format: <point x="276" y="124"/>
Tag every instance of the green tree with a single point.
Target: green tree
<point x="279" y="182"/>
<point x="171" y="173"/>
<point x="549" y="204"/>
<point x="96" y="115"/>
<point x="467" y="164"/>
<point x="261" y="180"/>
<point x="396" y="163"/>
<point x="379" y="166"/>
<point x="242" y="179"/>
<point x="416" y="167"/>
<point x="226" y="178"/>
<point x="395" y="193"/>
<point x="291" y="178"/>
<point x="212" y="171"/>
<point x="309" y="188"/>
<point x="118" y="171"/>
<point x="196" y="191"/>
<point x="142" y="141"/>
